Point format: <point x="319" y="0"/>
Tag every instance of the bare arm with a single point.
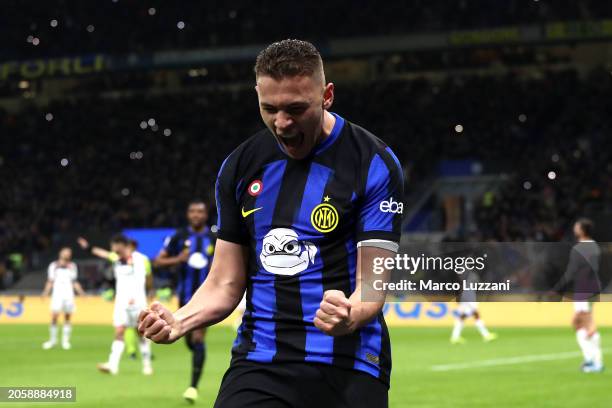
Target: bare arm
<point x="221" y="291"/>
<point x="101" y="253"/>
<point x="78" y="288"/>
<point x="338" y="315"/>
<point x="362" y="312"/>
<point x="47" y="290"/>
<point x="97" y="251"/>
<point x="214" y="300"/>
<point x="164" y="259"/>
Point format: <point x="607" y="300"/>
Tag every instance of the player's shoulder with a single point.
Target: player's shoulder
<point x="181" y="233"/>
<point x="139" y="256"/>
<point x="254" y="151"/>
<point x="364" y="147"/>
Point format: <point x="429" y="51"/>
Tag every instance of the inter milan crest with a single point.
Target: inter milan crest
<point x="255" y="188"/>
<point x="324" y="217"/>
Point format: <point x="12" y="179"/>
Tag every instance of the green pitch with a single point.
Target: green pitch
<point x="523" y="368"/>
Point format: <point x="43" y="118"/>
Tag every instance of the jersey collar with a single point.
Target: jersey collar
<point x="204" y="230"/>
<point x="329" y="140"/>
<point x="333" y="136"/>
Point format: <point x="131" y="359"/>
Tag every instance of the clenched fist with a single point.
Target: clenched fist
<point x="334" y="314"/>
<point x="158" y="324"/>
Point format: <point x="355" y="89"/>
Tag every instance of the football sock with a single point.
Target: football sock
<point x="115" y="355"/>
<point x="53" y="333"/>
<point x="481" y="328"/>
<point x="595" y="342"/>
<point x="457" y="329"/>
<point x="583" y="342"/>
<point x="198" y="357"/>
<point x="67" y="329"/>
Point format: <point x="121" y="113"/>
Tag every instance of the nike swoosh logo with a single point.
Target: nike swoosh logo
<point x="247" y="213"/>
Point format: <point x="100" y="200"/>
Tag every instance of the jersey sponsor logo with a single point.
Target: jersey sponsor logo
<point x="210" y="249"/>
<point x="197" y="261"/>
<point x="391" y="206"/>
<point x="324" y="217"/>
<point x="282" y="253"/>
<point x="255" y="188"/>
<point x="249" y="212"/>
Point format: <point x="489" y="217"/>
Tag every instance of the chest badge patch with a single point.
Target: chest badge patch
<point x="324" y="217"/>
<point x="255" y="188"/>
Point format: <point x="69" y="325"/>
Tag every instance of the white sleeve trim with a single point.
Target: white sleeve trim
<point x="379" y="243"/>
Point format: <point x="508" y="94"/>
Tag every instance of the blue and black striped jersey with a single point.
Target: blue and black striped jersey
<point x="302" y="220"/>
<point x="193" y="272"/>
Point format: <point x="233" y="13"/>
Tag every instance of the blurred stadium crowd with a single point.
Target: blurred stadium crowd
<point x="122" y="170"/>
<point x="69" y="26"/>
<point x="114" y="155"/>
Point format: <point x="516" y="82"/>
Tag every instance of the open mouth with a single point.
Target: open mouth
<point x="293" y="141"/>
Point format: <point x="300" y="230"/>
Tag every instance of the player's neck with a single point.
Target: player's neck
<point x="126" y="256"/>
<point x="198" y="229"/>
<point x="329" y="121"/>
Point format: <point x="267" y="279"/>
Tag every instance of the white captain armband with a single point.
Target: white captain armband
<point x="379" y="243"/>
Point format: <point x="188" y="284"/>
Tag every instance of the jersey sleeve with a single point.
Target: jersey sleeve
<point x="142" y="263"/>
<point x="171" y="245"/>
<point x="51" y="271"/>
<point x="382" y="207"/>
<point x="229" y="223"/>
<point x="74" y="272"/>
<point x="147" y="265"/>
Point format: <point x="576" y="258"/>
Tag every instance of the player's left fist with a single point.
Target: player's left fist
<point x="334" y="314"/>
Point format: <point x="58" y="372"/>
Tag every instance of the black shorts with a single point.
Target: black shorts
<point x="248" y="384"/>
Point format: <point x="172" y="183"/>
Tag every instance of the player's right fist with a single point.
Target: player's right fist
<point x="158" y="324"/>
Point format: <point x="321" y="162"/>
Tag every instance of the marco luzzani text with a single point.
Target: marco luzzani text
<point x="434" y="264"/>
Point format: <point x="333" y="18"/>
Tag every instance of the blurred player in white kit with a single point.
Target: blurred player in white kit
<point x="464" y="311"/>
<point x="468" y="307"/>
<point x="582" y="281"/>
<point x="130" y="271"/>
<point x="61" y="284"/>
